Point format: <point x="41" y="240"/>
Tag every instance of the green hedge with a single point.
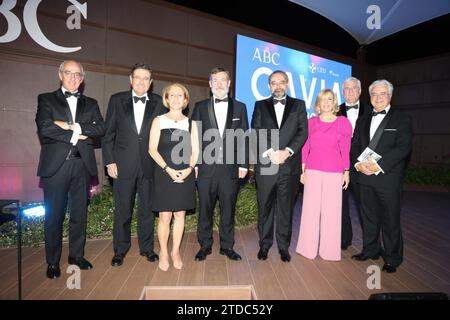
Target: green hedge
<point x="101" y="215"/>
<point x="436" y="176"/>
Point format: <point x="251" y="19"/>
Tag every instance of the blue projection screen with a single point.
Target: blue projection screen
<point x="308" y="74"/>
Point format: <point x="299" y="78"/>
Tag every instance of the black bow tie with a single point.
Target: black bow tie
<point x="374" y="113"/>
<point x="282" y="101"/>
<point x="217" y="100"/>
<point x="352" y="107"/>
<point x="136" y="99"/>
<point x="68" y="94"/>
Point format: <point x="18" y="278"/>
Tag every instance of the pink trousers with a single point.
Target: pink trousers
<point x="320" y="225"/>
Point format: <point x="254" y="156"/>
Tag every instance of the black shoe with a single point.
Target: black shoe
<point x="262" y="254"/>
<point x="82" y="263"/>
<point x="117" y="260"/>
<point x="231" y="254"/>
<point x="344" y="246"/>
<point x="202" y="253"/>
<point x="363" y="257"/>
<point x="389" y="268"/>
<point x="285" y="256"/>
<point x="151" y="256"/>
<point x="53" y="271"/>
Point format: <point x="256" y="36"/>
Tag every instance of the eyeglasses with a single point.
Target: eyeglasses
<point x="382" y="94"/>
<point x="68" y="74"/>
<point x="141" y="78"/>
<point x="281" y="83"/>
<point x="351" y="89"/>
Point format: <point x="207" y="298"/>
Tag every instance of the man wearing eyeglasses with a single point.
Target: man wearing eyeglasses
<point x="67" y="122"/>
<point x="353" y="109"/>
<point x="125" y="154"/>
<point x="387" y="132"/>
<point x="278" y="190"/>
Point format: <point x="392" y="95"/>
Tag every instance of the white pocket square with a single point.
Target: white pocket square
<point x="236" y="119"/>
<point x="390" y="129"/>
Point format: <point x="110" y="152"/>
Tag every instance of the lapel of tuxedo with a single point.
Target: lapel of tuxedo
<point x="230" y="112"/>
<point x="149" y="108"/>
<point x="65" y="105"/>
<point x="361" y="110"/>
<point x="377" y="135"/>
<point x="287" y="110"/>
<point x="81" y="104"/>
<point x="271" y="110"/>
<point x="366" y="132"/>
<point x="212" y="114"/>
<point x="127" y="104"/>
<point x="343" y="110"/>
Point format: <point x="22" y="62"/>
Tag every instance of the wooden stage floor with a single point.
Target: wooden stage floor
<point x="426" y="267"/>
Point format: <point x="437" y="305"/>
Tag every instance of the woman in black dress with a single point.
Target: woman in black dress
<point x="174" y="147"/>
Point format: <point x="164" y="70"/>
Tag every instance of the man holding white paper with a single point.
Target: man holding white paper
<point x="381" y="145"/>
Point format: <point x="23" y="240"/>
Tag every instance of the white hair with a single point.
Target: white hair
<point x="61" y="66"/>
<point x="382" y="82"/>
<point x="358" y="83"/>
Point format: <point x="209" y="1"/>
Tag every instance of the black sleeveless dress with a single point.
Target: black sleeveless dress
<point x="175" y="148"/>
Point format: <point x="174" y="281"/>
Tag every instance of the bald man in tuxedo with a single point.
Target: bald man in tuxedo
<point x="67" y="122"/>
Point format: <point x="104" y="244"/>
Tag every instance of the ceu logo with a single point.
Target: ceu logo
<point x="313" y="68"/>
<point x="31" y="23"/>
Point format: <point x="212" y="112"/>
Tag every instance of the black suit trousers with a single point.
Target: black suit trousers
<point x="68" y="186"/>
<point x="353" y="188"/>
<point x="125" y="191"/>
<point x="380" y="211"/>
<point x="276" y="199"/>
<point x="224" y="188"/>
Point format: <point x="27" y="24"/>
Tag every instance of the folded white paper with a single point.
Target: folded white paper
<point x="368" y="155"/>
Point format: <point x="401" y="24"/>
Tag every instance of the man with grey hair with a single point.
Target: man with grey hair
<point x="387" y="132"/>
<point x="219" y="179"/>
<point x="67" y="122"/>
<point x="353" y="109"/>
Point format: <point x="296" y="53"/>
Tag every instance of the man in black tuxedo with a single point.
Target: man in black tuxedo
<point x="277" y="180"/>
<point x="220" y="170"/>
<point x="388" y="132"/>
<point x="67" y="121"/>
<point x="353" y="109"/>
<point x="125" y="154"/>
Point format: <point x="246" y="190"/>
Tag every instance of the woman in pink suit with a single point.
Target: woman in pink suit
<point x="326" y="161"/>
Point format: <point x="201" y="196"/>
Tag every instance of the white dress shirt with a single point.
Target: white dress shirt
<point x="139" y="110"/>
<point x="376" y="120"/>
<point x="352" y="115"/>
<point x="221" y="111"/>
<point x="73" y="101"/>
<point x="374" y="124"/>
<point x="279" y="112"/>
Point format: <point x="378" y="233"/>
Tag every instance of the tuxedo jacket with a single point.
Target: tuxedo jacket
<point x="292" y="132"/>
<point x="122" y="144"/>
<point x="55" y="142"/>
<point x="362" y="110"/>
<point x="394" y="147"/>
<point x="236" y="118"/>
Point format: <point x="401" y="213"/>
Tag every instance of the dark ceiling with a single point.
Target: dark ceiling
<point x="296" y="22"/>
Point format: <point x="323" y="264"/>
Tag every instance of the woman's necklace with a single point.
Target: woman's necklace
<point x="180" y="117"/>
